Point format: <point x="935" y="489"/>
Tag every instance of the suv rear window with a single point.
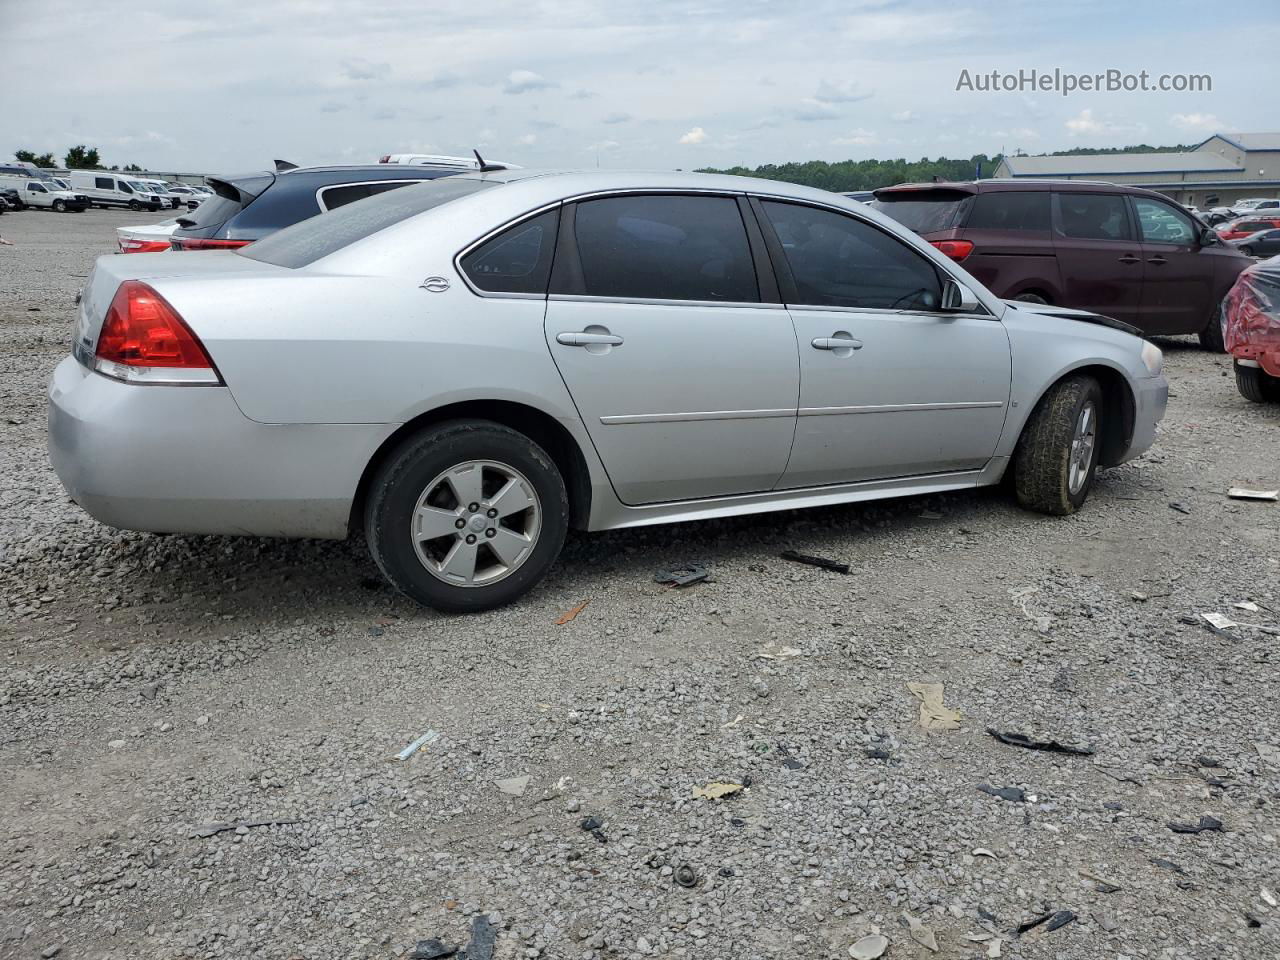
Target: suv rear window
<point x="924" y="211"/>
<point x="308" y="240"/>
<point x="1010" y="210"/>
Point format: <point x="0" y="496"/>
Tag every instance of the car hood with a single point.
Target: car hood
<point x="1066" y="313"/>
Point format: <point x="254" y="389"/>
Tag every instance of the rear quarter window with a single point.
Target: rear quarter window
<point x="924" y="211"/>
<point x="1010" y="210"/>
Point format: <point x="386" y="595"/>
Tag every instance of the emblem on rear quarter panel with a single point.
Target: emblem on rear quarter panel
<point x="435" y="284"/>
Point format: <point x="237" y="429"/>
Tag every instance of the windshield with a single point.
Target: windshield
<point x="308" y="241"/>
<point x="923" y="212"/>
<point x="140" y="187"/>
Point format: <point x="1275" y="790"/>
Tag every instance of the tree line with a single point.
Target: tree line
<point x="78" y="157"/>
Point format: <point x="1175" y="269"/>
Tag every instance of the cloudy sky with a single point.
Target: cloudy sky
<point x="224" y="85"/>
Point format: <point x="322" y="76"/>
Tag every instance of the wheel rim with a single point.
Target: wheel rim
<point x="1082" y="443"/>
<point x="476" y="523"/>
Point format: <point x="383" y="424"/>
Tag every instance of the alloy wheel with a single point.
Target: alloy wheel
<point x="1082" y="443"/>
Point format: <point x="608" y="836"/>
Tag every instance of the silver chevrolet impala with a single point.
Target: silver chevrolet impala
<point x="466" y="368"/>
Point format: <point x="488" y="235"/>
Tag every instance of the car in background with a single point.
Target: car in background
<point x="12" y="199"/>
<point x="46" y="195"/>
<point x="1264" y="243"/>
<point x="862" y="196"/>
<point x="466" y="368"/>
<point x="148" y="238"/>
<point x="1255" y="204"/>
<point x="250" y="206"/>
<point x="1121" y="251"/>
<point x="434" y="160"/>
<point x="1236" y="229"/>
<point x="104" y="188"/>
<point x="1251" y="330"/>
<point x="186" y="194"/>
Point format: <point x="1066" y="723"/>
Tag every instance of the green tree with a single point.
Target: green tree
<point x="81" y="157"/>
<point x="39" y="159"/>
<point x="132" y="168"/>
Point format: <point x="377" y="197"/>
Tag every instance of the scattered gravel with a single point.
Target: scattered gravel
<point x="153" y="688"/>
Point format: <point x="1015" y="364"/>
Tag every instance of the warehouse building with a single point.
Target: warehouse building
<point x="1220" y="171"/>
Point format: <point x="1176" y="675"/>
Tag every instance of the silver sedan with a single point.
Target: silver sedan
<point x="467" y="368"/>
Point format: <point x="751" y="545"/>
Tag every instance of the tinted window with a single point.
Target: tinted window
<point x="923" y="211"/>
<point x="103" y="183"/>
<point x="518" y="260"/>
<point x="665" y="248"/>
<point x="1010" y="210"/>
<point x="839" y="261"/>
<point x="124" y="187"/>
<point x="1093" y="216"/>
<point x="339" y="196"/>
<point x="1161" y="223"/>
<point x="35" y="187"/>
<point x="309" y="240"/>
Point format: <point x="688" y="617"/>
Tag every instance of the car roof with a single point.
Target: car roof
<point x="1020" y="185"/>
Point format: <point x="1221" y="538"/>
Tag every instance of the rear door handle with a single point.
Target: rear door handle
<point x="836" y="343"/>
<point x="588" y="339"/>
<point x="1128" y="258"/>
<point x="1157" y="260"/>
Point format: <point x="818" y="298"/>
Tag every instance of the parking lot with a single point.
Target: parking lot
<point x="154" y="687"/>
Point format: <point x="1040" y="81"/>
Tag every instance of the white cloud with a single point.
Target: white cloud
<point x="384" y="114"/>
<point x="811" y="110"/>
<point x="857" y="138"/>
<point x="694" y="136"/>
<point x="1197" y="122"/>
<point x="617" y="118"/>
<point x="523" y="81"/>
<point x="904" y="116"/>
<point x="603" y="146"/>
<point x="841" y="91"/>
<point x="528" y="140"/>
<point x="332" y="106"/>
<point x="358" y="68"/>
<point x="1086" y="124"/>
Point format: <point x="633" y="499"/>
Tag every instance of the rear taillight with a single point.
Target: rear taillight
<point x="130" y="245"/>
<point x="143" y="340"/>
<point x="957" y="250"/>
<point x="200" y="243"/>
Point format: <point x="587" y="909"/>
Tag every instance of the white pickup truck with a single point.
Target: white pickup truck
<point x="45" y="194"/>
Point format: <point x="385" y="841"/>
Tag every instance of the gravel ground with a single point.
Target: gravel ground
<point x="154" y="685"/>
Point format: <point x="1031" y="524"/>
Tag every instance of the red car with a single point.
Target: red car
<point x="1120" y="251"/>
<point x="1246" y="226"/>
<point x="1251" y="329"/>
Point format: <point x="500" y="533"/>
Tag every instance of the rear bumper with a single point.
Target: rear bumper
<point x="1150" y="402"/>
<point x="1265" y="356"/>
<point x="186" y="460"/>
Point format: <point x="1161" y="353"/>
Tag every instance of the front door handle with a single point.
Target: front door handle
<point x="1157" y="260"/>
<point x="838" y="341"/>
<point x="1128" y="258"/>
<point x="589" y="339"/>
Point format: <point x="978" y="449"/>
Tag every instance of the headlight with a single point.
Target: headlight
<point x="1152" y="358"/>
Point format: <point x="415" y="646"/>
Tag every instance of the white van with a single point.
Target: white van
<point x="105" y="188"/>
<point x="162" y="191"/>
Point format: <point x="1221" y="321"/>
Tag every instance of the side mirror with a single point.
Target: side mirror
<point x="1209" y="237"/>
<point x="957" y="298"/>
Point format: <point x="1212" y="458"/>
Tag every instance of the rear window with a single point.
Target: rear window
<point x="308" y="241"/>
<point x="215" y="211"/>
<point x="1010" y="210"/>
<point x="925" y="212"/>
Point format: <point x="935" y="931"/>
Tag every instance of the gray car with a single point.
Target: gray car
<point x="467" y="368"/>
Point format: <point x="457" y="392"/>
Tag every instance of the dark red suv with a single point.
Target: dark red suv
<point x="1121" y="251"/>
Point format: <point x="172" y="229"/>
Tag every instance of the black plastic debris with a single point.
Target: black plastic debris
<point x="484" y="936"/>
<point x="987" y="915"/>
<point x="1050" y="746"/>
<point x="1051" y="921"/>
<point x="823" y="562"/>
<point x="1252" y="921"/>
<point x="594" y="826"/>
<point x="686" y="876"/>
<point x="1180" y="507"/>
<point x="1113" y="805"/>
<point x="726" y="871"/>
<point x="1205" y="823"/>
<point x="878" y="753"/>
<point x="681" y="576"/>
<point x="1204" y="761"/>
<point x="1012" y="794"/>
<point x="1168" y="865"/>
<point x="432" y="949"/>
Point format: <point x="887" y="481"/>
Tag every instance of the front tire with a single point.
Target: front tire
<point x="1030" y="298"/>
<point x="59" y="206"/>
<point x="134" y="205"/>
<point x="1057" y="455"/>
<point x="1214" y="335"/>
<point x="1247" y="251"/>
<point x="466" y="516"/>
<point x="1256" y="385"/>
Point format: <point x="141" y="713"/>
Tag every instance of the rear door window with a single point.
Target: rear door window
<point x="518" y="260"/>
<point x="647" y="247"/>
<point x="1010" y="210"/>
<point x="839" y="261"/>
<point x="1093" y="216"/>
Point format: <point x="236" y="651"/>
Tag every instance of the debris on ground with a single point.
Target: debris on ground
<point x="778" y="653"/>
<point x="513" y="786"/>
<point x="432" y="949"/>
<point x="1052" y="746"/>
<point x="429" y="737"/>
<point x="1012" y="794"/>
<point x="572" y="613"/>
<point x="686" y="876"/>
<point x="1180" y="507"/>
<point x="1219" y="621"/>
<point x="920" y="933"/>
<point x="823" y="562"/>
<point x="993" y="943"/>
<point x="877" y="753"/>
<point x="239" y="826"/>
<point x="484" y="937"/>
<point x="933" y="714"/>
<point x="1047" y="921"/>
<point x="732" y="723"/>
<point x="1168" y="865"/>
<point x="1269" y="898"/>
<point x="1102" y="885"/>
<point x="984" y="852"/>
<point x="1205" y="823"/>
<point x="870" y="947"/>
<point x="682" y="576"/>
<point x="595" y="827"/>
<point x="714" y="791"/>
<point x="1244" y="493"/>
<point x="1247" y="605"/>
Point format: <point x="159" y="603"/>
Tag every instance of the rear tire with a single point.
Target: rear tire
<point x="1030" y="298"/>
<point x="1214" y="335"/>
<point x="1247" y="251"/>
<point x="429" y="485"/>
<point x="1256" y="385"/>
<point x="1057" y="454"/>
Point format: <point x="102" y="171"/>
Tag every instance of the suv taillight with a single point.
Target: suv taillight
<point x="144" y="340"/>
<point x="200" y="243"/>
<point x="957" y="250"/>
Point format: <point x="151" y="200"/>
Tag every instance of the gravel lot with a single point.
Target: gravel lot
<point x="154" y="685"/>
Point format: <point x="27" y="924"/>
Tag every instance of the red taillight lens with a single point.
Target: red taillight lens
<point x="144" y="340"/>
<point x="199" y="243"/>
<point x="130" y="245"/>
<point x="957" y="250"/>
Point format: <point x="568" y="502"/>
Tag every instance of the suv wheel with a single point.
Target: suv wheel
<point x="1030" y="298"/>
<point x="1057" y="455"/>
<point x="1256" y="384"/>
<point x="1214" y="335"/>
<point x="467" y="515"/>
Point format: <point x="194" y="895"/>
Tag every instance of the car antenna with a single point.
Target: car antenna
<point x="283" y="165"/>
<point x="486" y="167"/>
